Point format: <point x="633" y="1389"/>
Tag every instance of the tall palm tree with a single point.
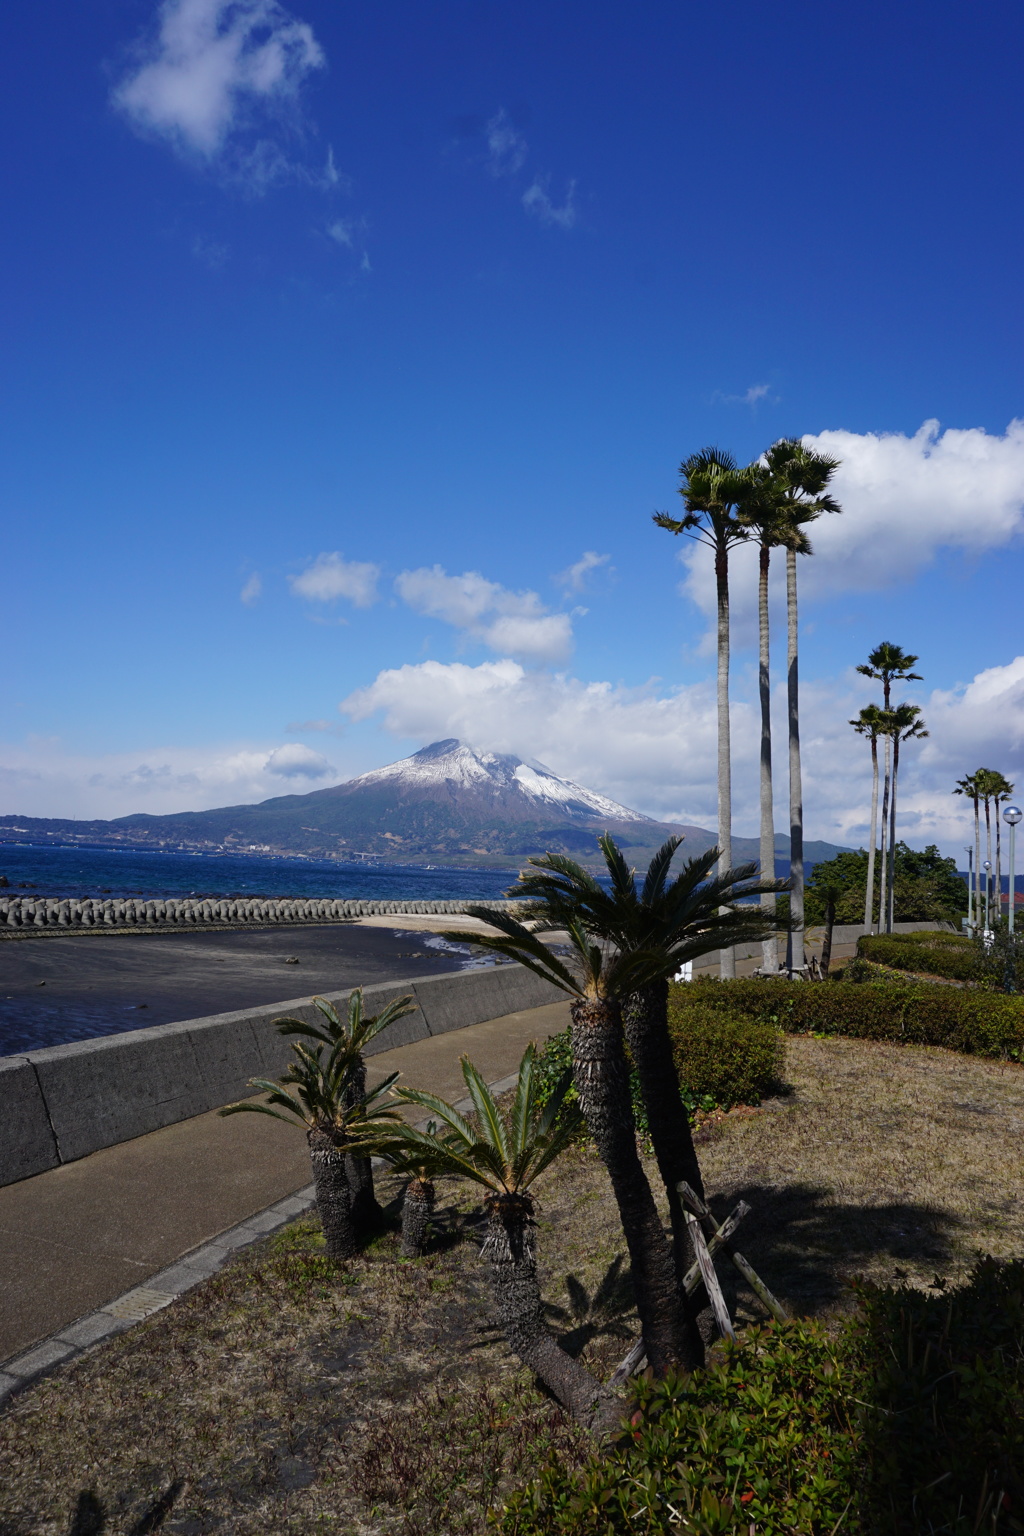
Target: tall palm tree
<point x="970" y="786"/>
<point x="683" y="919"/>
<point x="887" y="663"/>
<point x="773" y="526"/>
<point x="904" y="723"/>
<point x="712" y="486"/>
<point x="505" y="1153"/>
<point x="802" y="478"/>
<point x="1002" y="789"/>
<point x="869" y="723"/>
<point x="321" y="1093"/>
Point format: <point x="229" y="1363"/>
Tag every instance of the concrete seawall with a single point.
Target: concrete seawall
<point x="60" y="1104"/>
<point x="23" y="913"/>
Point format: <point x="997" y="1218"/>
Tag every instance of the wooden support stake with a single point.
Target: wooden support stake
<point x="630" y="1365"/>
<point x="716" y="1240"/>
<point x="707" y="1270"/>
<point x="746" y="1269"/>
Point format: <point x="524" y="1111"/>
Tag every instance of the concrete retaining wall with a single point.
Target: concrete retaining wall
<point x="29" y="912"/>
<point x="62" y="1103"/>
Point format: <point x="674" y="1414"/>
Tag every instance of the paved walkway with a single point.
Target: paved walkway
<point x="76" y="1237"/>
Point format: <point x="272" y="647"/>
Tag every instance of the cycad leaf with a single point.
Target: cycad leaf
<point x="487" y="1111"/>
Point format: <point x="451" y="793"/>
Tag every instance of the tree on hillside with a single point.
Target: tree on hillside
<point x="927" y="887"/>
<point x="712" y="486"/>
<point x="801" y="478"/>
<point x="869" y="723"/>
<point x="887" y="664"/>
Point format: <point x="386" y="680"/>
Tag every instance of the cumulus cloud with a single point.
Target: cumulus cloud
<point x="214" y="72"/>
<point x="905" y="500"/>
<point x="538" y="201"/>
<point x="655" y="749"/>
<point x="515" y="623"/>
<point x="330" y="576"/>
<point x="574" y="577"/>
<point x="253" y="590"/>
<point x="45" y="778"/>
<point x="294" y="761"/>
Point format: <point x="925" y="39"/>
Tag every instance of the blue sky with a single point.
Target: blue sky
<point x="337" y="336"/>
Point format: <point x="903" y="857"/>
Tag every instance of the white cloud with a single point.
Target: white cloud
<point x="253" y="589"/>
<point x="44" y="778"/>
<point x="506" y="147"/>
<point x="216" y="69"/>
<point x="655" y="749"/>
<point x="329" y="577"/>
<point x="574" y="577"/>
<point x="516" y="623"/>
<point x="537" y="200"/>
<point x="293" y="761"/>
<point x="904" y="500"/>
<point x="752" y="396"/>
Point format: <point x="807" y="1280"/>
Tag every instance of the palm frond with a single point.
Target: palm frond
<point x="657" y="870"/>
<point x="491" y="1123"/>
<point x="447" y="1112"/>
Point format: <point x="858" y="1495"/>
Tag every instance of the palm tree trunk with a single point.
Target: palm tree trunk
<point x="417" y="1209"/>
<point x="509" y="1248"/>
<point x="796" y="794"/>
<point x="883" y="889"/>
<point x="366" y="1211"/>
<point x="826" y="943"/>
<point x="891" y="908"/>
<point x="333" y="1196"/>
<point x="977" y="863"/>
<point x="645" y="1020"/>
<point x="727" y="963"/>
<point x="988" y="854"/>
<point x="769" y="947"/>
<point x="601" y="1076"/>
<point x="869" y="893"/>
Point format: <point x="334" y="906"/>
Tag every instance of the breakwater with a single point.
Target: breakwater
<point x="26" y="913"/>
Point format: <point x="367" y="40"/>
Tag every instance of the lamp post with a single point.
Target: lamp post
<point x="971" y="923"/>
<point x="1011" y="816"/>
<point x="988" y="894"/>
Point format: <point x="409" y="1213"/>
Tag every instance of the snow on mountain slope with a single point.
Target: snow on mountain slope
<point x="455" y="768"/>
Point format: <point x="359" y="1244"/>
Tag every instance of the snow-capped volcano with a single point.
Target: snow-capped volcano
<point x="453" y="767"/>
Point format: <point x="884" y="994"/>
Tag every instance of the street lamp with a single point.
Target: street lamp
<point x="971" y="922"/>
<point x="1011" y="816"/>
<point x="988" y="893"/>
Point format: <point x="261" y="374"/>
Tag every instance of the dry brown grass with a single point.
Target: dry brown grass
<point x="379" y="1400"/>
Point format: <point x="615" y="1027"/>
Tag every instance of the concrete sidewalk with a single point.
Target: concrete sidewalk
<point x="74" y="1238"/>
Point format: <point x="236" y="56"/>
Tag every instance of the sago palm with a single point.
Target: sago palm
<point x="600" y="977"/>
<point x="505" y="1153"/>
<point x="802" y="478"/>
<point x="324" y="1091"/>
<point x="869" y="723"/>
<point x="712" y="487"/>
<point x="680" y="918"/>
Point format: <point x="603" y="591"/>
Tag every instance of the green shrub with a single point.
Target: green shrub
<point x="908" y="1012"/>
<point x="726" y="1057"/>
<point x="556" y="1058"/>
<point x="937" y="954"/>
<point x="910" y="1419"/>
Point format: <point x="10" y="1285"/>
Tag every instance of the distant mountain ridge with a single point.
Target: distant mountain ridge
<point x="446" y="804"/>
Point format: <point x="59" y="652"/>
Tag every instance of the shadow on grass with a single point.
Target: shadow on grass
<point x="807" y="1246"/>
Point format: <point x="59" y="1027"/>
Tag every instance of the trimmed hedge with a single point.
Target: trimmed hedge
<point x="938" y="954"/>
<point x="910" y="1013"/>
<point x="730" y="1058"/>
<point x="910" y="1419"/>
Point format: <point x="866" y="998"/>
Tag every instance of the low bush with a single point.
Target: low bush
<point x="908" y="1012"/>
<point x="556" y="1058"/>
<point x="910" y="1419"/>
<point x="938" y="954"/>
